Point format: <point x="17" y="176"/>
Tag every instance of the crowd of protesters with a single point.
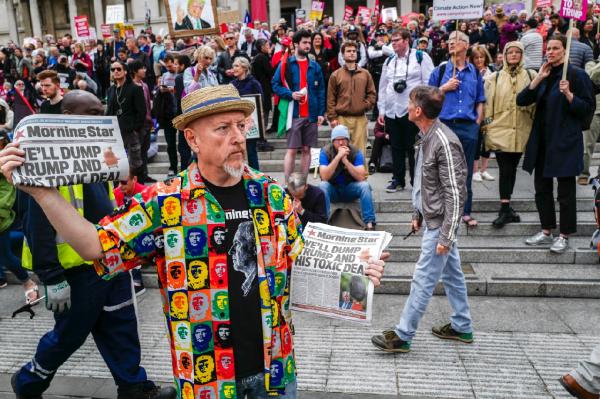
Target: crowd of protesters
<point x="498" y="93"/>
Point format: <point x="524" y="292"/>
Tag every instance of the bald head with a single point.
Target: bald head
<point x="79" y="102"/>
<point x="575" y="33"/>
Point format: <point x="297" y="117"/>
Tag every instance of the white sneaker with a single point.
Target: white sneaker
<point x="487" y="176"/>
<point x="477" y="177"/>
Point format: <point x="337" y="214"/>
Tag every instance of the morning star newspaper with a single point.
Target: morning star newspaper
<point x="328" y="277"/>
<point x="63" y="150"/>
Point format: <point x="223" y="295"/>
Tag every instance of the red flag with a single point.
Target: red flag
<point x="224" y="28"/>
<point x="377" y="11"/>
<point x="259" y="10"/>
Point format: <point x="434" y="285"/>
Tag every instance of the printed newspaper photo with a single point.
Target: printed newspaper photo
<point x="328" y="277"/>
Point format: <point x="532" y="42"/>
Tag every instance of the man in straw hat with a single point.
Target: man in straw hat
<point x="201" y="295"/>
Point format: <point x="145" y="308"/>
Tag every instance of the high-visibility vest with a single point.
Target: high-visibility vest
<point x="67" y="256"/>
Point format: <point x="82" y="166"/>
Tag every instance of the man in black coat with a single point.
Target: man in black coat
<point x="125" y="100"/>
<point x="309" y="201"/>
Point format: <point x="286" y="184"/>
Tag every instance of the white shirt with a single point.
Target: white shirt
<point x="390" y="103"/>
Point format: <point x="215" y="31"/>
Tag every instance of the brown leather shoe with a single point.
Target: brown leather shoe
<point x="576" y="390"/>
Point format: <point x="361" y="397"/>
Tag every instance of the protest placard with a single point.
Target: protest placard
<point x="129" y="31"/>
<point x="82" y="26"/>
<point x="328" y="277"/>
<point x="364" y="14"/>
<point x="115" y="14"/>
<point x="316" y="10"/>
<point x="348" y="13"/>
<point x="106" y="31"/>
<point x="387" y="13"/>
<point x="573" y="9"/>
<point x="457" y="9"/>
<point x="543" y="3"/>
<point x="62" y="150"/>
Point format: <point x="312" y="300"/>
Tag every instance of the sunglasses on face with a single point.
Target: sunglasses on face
<point x="116" y="69"/>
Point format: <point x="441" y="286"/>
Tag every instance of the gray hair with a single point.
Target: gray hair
<point x="296" y="181"/>
<point x="244" y="63"/>
<point x="459" y="36"/>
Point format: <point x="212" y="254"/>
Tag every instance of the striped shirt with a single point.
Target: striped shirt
<point x="533" y="43"/>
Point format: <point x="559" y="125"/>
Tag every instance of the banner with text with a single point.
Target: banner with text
<point x="543" y="3"/>
<point x="573" y="9"/>
<point x="457" y="9"/>
<point x="82" y="26"/>
<point x="328" y="277"/>
<point x="389" y="13"/>
<point x="62" y="150"/>
<point x="348" y="13"/>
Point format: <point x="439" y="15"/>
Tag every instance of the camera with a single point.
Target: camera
<point x="400" y="86"/>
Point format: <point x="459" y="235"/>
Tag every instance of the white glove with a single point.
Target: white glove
<point x="58" y="297"/>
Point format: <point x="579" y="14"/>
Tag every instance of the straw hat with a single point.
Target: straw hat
<point x="210" y="101"/>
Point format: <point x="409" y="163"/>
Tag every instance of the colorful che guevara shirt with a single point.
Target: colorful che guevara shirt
<point x="168" y="225"/>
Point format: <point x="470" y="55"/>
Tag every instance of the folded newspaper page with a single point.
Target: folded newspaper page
<point x="62" y="150"/>
<point x="328" y="277"/>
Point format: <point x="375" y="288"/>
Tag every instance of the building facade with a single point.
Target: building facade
<point x="29" y="18"/>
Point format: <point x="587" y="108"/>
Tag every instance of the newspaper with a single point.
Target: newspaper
<point x="63" y="150"/>
<point x="328" y="277"/>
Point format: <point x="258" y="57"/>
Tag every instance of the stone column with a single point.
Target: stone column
<point x="34" y="11"/>
<point x="244" y="5"/>
<point x="12" y="20"/>
<point x="306" y="5"/>
<point x="338" y="11"/>
<point x="404" y="7"/>
<point x="72" y="14"/>
<point x="274" y="11"/>
<point x="98" y="17"/>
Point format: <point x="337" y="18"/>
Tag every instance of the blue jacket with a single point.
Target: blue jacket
<point x="314" y="82"/>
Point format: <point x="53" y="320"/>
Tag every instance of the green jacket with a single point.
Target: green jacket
<point x="8" y="194"/>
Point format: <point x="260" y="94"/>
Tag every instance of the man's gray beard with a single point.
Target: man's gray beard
<point x="234" y="172"/>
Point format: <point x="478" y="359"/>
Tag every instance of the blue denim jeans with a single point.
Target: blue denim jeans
<point x="348" y="193"/>
<point x="468" y="134"/>
<point x="9" y="260"/>
<point x="428" y="271"/>
<point x="253" y="387"/>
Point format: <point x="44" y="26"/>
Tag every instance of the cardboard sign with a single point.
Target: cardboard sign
<point x="387" y="13"/>
<point x="229" y="17"/>
<point x="573" y="9"/>
<point x="82" y="26"/>
<point x="348" y="13"/>
<point x="457" y="9"/>
<point x="543" y="3"/>
<point x="115" y="14"/>
<point x="106" y="31"/>
<point x="316" y="10"/>
<point x="62" y="150"/>
<point x="364" y="14"/>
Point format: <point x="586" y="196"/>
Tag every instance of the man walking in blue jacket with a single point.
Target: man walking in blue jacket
<point x="306" y="87"/>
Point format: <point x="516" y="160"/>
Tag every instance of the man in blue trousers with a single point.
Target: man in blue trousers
<point x="82" y="302"/>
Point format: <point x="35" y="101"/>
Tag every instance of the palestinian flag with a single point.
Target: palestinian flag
<point x="21" y="108"/>
<point x="285" y="106"/>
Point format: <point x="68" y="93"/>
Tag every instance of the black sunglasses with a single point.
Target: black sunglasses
<point x="116" y="69"/>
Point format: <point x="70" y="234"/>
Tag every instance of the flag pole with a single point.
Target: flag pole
<point x="454" y="55"/>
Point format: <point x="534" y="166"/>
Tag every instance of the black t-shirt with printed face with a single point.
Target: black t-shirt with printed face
<point x="244" y="297"/>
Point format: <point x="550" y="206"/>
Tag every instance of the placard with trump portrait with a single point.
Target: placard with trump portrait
<point x="192" y="17"/>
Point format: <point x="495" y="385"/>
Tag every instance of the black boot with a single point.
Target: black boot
<point x="506" y="215"/>
<point x="147" y="390"/>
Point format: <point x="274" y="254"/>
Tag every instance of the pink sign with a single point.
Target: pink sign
<point x="543" y="3"/>
<point x="348" y="12"/>
<point x="573" y="9"/>
<point x="82" y="26"/>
